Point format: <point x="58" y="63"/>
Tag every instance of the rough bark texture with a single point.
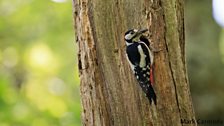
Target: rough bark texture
<point x="110" y="94"/>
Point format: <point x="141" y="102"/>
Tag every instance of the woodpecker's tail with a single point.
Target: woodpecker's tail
<point x="151" y="95"/>
<point x="149" y="91"/>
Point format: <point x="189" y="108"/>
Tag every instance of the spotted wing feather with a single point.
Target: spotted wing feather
<point x="139" y="58"/>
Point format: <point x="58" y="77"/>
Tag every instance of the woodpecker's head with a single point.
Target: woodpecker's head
<point x="134" y="35"/>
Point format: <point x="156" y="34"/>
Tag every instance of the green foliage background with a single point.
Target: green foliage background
<point x="205" y="56"/>
<point x="39" y="84"/>
<point x="38" y="72"/>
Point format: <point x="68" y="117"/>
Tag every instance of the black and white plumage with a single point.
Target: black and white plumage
<point x="140" y="58"/>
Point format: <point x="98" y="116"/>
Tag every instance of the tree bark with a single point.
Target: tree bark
<point x="110" y="94"/>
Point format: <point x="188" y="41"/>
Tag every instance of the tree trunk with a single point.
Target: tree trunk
<point x="110" y="94"/>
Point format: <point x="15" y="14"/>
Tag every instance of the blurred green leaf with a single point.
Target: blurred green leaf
<point x="37" y="51"/>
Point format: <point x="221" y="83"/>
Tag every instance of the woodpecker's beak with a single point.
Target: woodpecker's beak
<point x="138" y="34"/>
<point x="141" y="31"/>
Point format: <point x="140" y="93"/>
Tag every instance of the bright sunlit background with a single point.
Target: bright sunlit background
<point x="39" y="83"/>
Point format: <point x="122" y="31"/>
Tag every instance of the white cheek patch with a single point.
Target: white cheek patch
<point x="135" y="30"/>
<point x="128" y="36"/>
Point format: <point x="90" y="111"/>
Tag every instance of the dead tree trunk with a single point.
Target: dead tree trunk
<point x="110" y="94"/>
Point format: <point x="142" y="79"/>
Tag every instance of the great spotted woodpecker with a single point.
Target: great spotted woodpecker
<point x="140" y="58"/>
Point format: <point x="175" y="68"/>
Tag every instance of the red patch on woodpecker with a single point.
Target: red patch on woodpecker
<point x="151" y="76"/>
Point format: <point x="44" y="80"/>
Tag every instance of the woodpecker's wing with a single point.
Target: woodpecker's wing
<point x="138" y="54"/>
<point x="147" y="49"/>
<point x="143" y="76"/>
<point x="139" y="59"/>
<point x="132" y="54"/>
<point x="145" y="40"/>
